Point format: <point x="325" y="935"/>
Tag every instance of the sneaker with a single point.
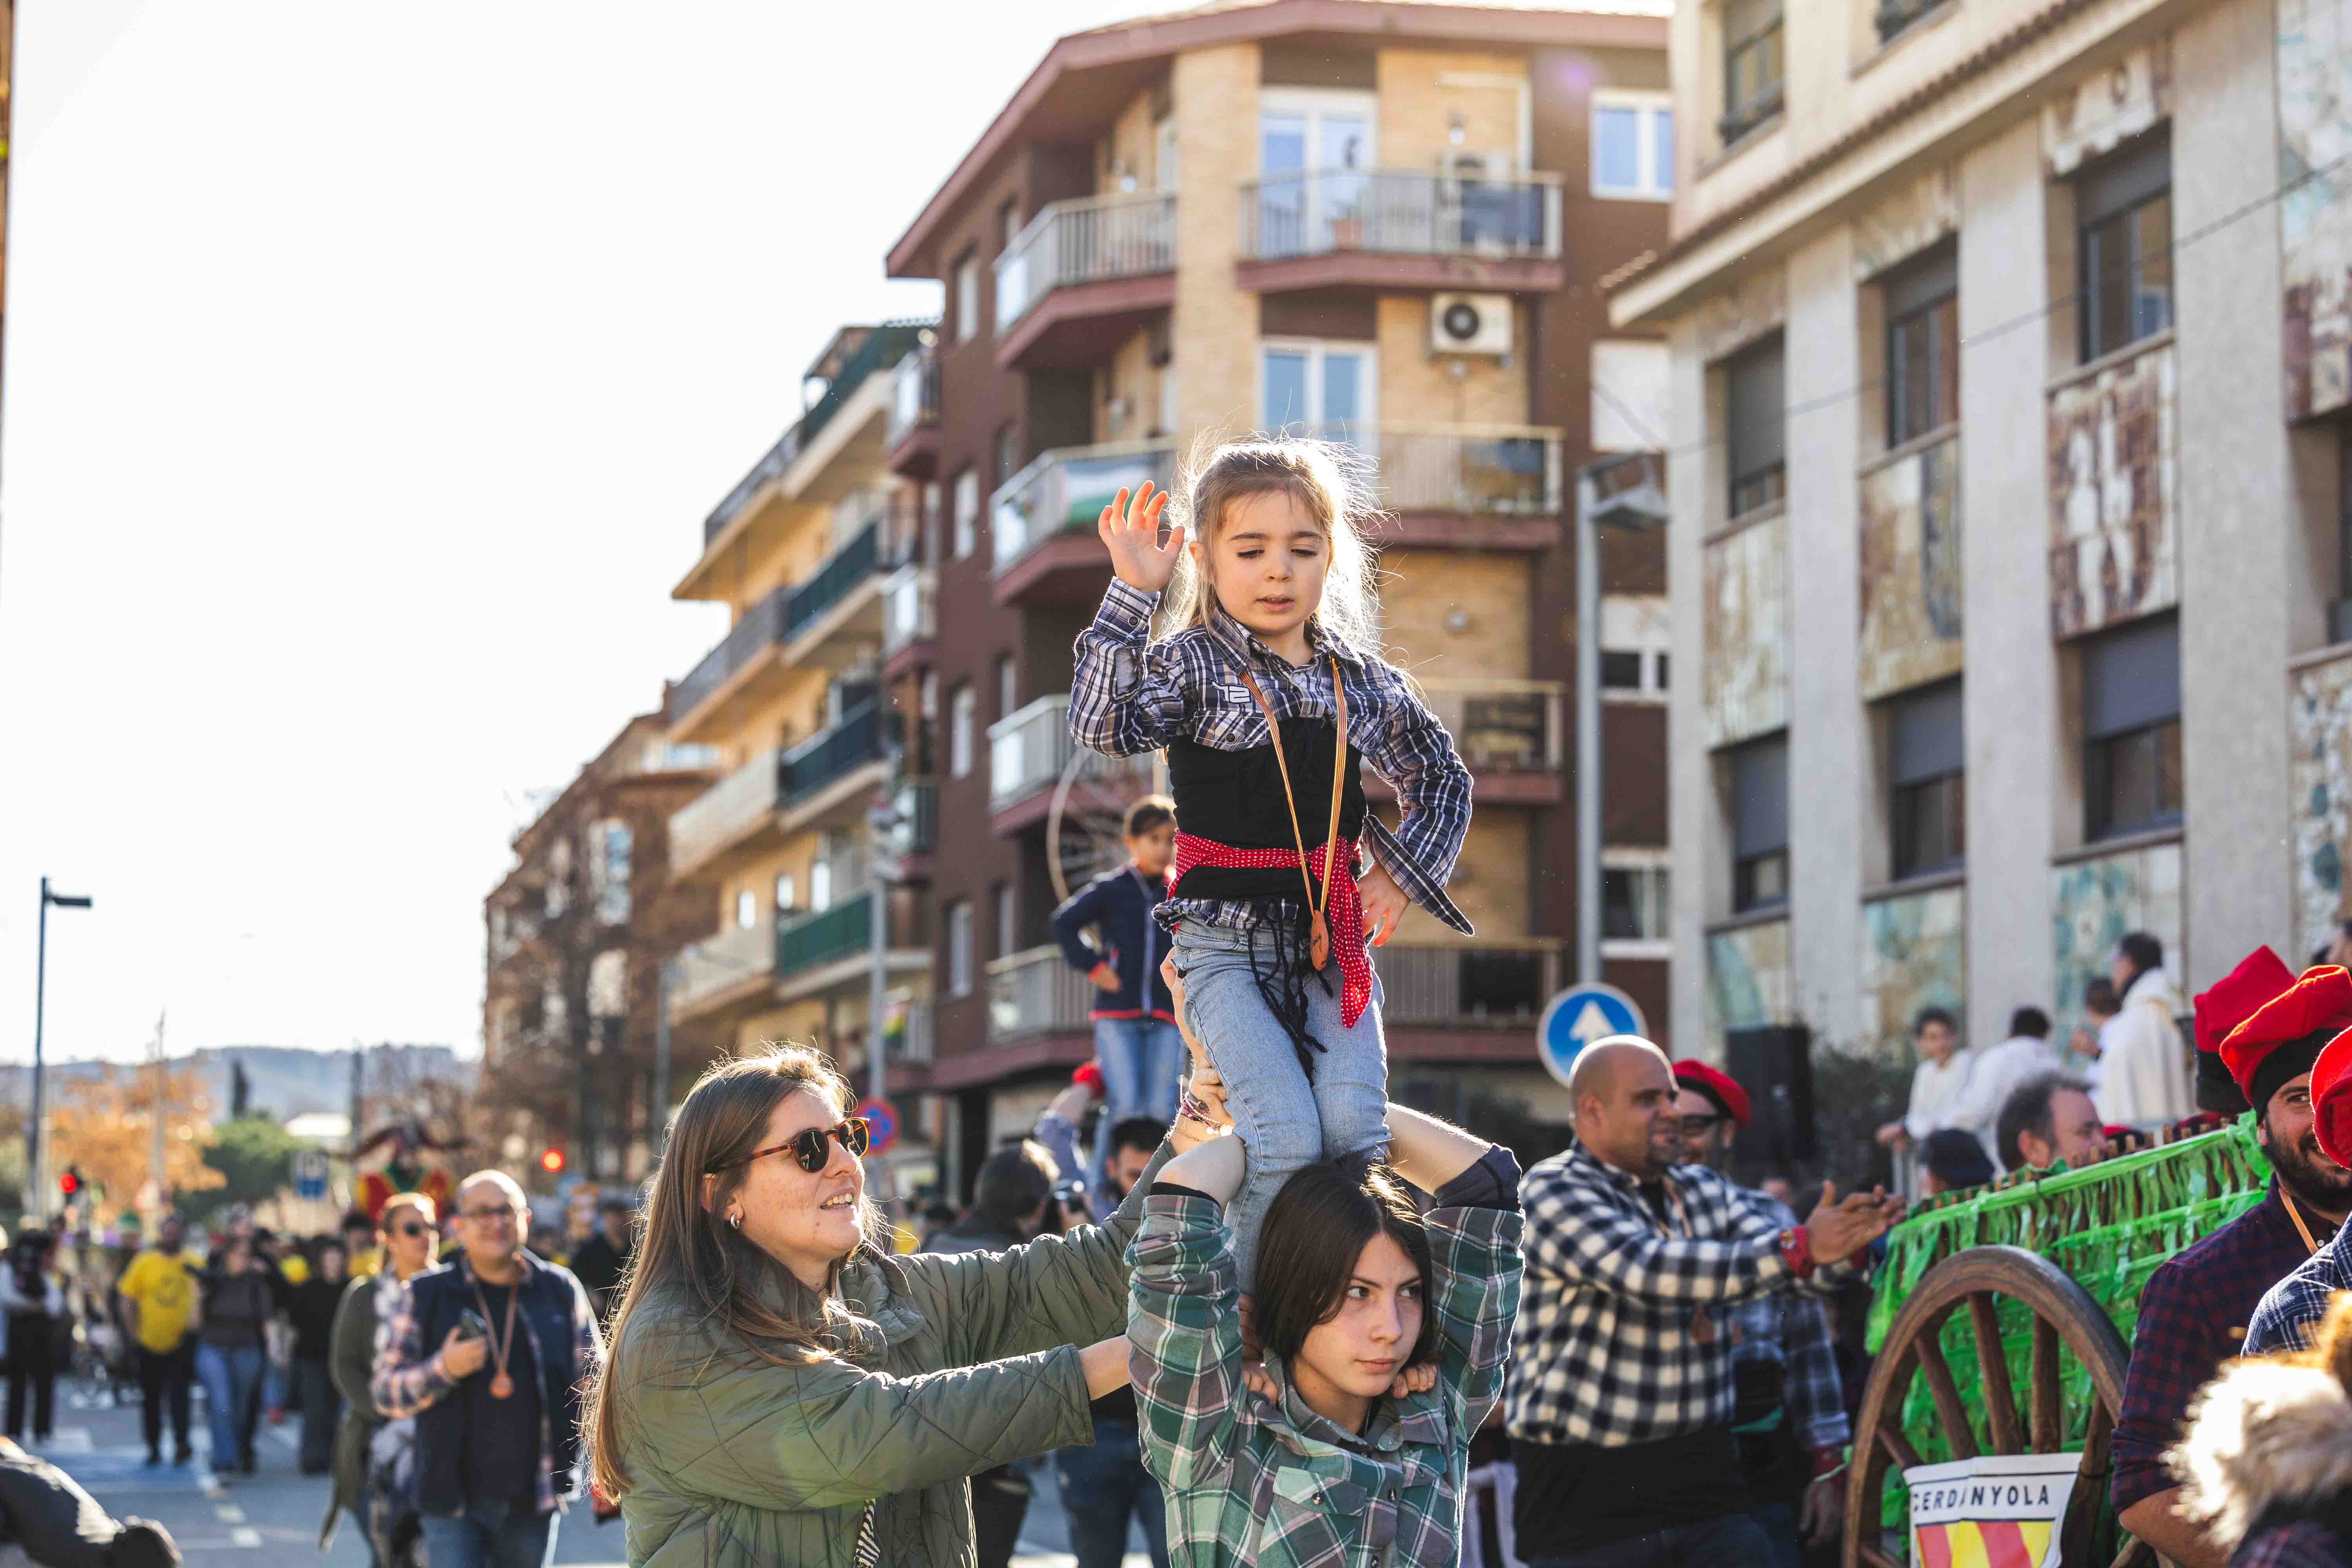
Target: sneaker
<point x="182" y="1455"/>
<point x="154" y="1457"/>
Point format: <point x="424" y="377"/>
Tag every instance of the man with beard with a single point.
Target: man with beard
<point x="2296" y="1304"/>
<point x="2267" y="1028"/>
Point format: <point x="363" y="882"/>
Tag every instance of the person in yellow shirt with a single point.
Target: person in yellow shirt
<point x="158" y="1296"/>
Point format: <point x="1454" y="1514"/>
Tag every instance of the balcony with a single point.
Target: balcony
<point x="916" y="801"/>
<point x="1395" y="229"/>
<point x="1029" y="753"/>
<point x="827" y="778"/>
<point x="909" y="618"/>
<point x="730" y="815"/>
<point x="1510" y="733"/>
<point x="1472" y="487"/>
<point x="690" y="705"/>
<point x="911" y="434"/>
<point x="1036" y="991"/>
<point x="749" y="969"/>
<point x="831" y="620"/>
<point x="723" y="973"/>
<point x="1082" y="276"/>
<point x="1042" y="519"/>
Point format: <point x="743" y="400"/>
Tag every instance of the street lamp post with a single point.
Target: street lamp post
<point x="36" y="1190"/>
<point x="1621" y="491"/>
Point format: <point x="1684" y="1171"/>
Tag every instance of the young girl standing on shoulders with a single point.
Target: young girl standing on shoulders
<point x="1267" y="692"/>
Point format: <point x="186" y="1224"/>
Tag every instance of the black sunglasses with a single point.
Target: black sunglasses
<point x="408" y="1230"/>
<point x="808" y="1145"/>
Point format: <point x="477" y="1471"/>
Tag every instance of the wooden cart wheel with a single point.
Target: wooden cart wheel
<point x="2066" y="1322"/>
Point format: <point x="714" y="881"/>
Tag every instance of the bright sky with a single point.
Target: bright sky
<point x="370" y="368"/>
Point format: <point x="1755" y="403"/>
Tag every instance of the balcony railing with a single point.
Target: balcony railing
<point x="1065" y="490"/>
<point x="1501" y="726"/>
<point x="761" y="628"/>
<point x="720" y="962"/>
<point x="720" y="813"/>
<point x="914" y="395"/>
<point x="1028" y="751"/>
<point x="908" y="608"/>
<point x="825" y="756"/>
<point x="825" y="936"/>
<point x="883" y="347"/>
<point x="1476" y="470"/>
<point x="831" y="583"/>
<point x="1318" y="212"/>
<point x="1036" y="991"/>
<point x="1464" y="986"/>
<point x="1090" y="240"/>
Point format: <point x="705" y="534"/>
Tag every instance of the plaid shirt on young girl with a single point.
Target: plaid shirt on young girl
<point x="1128" y="694"/>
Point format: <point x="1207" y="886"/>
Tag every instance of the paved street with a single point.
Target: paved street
<point x="224" y="1521"/>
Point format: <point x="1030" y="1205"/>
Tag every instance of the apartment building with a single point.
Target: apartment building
<point x="1382" y="222"/>
<point x="576" y="934"/>
<point x="2009" y="398"/>
<point x="780" y="848"/>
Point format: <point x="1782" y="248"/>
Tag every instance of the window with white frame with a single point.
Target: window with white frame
<point x="786" y="897"/>
<point x="960" y="965"/>
<point x="614" y="843"/>
<point x="964" y="716"/>
<point x="1633" y="145"/>
<point x="1315" y="158"/>
<point x="1633" y="902"/>
<point x="747" y="909"/>
<point x="967" y="297"/>
<point x="1007" y="932"/>
<point x="1319" y="388"/>
<point x="1636" y="637"/>
<point x="967" y="512"/>
<point x="1006" y="688"/>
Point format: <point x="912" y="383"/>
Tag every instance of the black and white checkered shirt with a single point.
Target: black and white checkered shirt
<point x="1604" y="1350"/>
<point x="1128" y="694"/>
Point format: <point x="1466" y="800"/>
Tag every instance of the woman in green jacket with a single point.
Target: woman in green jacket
<point x="406" y="1240"/>
<point x="783" y="1389"/>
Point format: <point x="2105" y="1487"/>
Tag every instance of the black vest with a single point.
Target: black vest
<point x="1236" y="798"/>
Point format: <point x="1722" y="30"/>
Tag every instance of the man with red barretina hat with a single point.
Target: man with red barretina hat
<point x="2296" y="1304"/>
<point x="2265" y="1027"/>
<point x="1787" y="1414"/>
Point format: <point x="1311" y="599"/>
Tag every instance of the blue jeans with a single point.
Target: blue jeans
<point x="1778" y="1522"/>
<point x="232" y="1381"/>
<point x="1101" y="1488"/>
<point x="1141" y="1060"/>
<point x="1286" y="1121"/>
<point x="489" y="1535"/>
<point x="1733" y="1539"/>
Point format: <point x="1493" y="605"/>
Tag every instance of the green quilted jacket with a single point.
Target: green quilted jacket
<point x="963" y="1362"/>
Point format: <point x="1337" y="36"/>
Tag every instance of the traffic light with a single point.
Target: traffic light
<point x="69" y="1182"/>
<point x="551" y="1160"/>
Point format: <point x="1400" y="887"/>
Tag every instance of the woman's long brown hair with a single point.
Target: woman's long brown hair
<point x="751" y="1302"/>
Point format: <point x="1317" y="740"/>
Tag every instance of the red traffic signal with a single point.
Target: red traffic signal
<point x="69" y="1182"/>
<point x="552" y="1161"/>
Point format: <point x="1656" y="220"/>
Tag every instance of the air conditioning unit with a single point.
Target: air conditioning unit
<point x="1470" y="324"/>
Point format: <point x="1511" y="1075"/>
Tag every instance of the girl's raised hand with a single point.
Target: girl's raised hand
<point x="1129" y="528"/>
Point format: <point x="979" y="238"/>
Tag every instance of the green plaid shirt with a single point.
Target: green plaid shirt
<point x="1272" y="1484"/>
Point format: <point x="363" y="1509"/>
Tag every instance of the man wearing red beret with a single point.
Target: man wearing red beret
<point x="2266" y="1027"/>
<point x="2285" y="1316"/>
<point x="1789" y="1406"/>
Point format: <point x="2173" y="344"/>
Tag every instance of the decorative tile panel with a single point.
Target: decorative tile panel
<point x="2114" y="528"/>
<point x="2095" y="902"/>
<point x="1913" y="956"/>
<point x="2314" y="88"/>
<point x="2319" y="781"/>
<point x="1907" y="222"/>
<point x="1911" y="570"/>
<point x="1748" y="632"/>
<point x="1749" y="982"/>
<point x="2100" y="112"/>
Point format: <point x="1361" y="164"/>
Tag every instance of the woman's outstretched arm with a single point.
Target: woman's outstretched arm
<point x="1428" y="1153"/>
<point x="1185" y="1325"/>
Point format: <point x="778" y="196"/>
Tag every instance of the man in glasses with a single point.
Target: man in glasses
<point x="489" y="1355"/>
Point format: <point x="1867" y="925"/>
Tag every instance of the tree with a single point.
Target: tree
<point x="253" y="1158"/>
<point x="104" y="1126"/>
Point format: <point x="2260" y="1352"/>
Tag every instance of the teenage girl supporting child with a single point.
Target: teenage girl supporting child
<point x="1269" y="618"/>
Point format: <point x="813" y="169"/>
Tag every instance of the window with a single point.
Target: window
<point x="1008" y="453"/>
<point x="1752" y="70"/>
<point x="1006" y="689"/>
<point x="747" y="909"/>
<point x="1008" y="225"/>
<point x="1317" y="388"/>
<point x="967" y="297"/>
<point x="1314" y="149"/>
<point x="608" y="985"/>
<point x="785" y="898"/>
<point x="1636" y="630"/>
<point x="1008" y="934"/>
<point x="1632" y="145"/>
<point x="1633" y="903"/>
<point x="1895" y="15"/>
<point x="614" y="845"/>
<point x="1755" y="427"/>
<point x="960" y="948"/>
<point x="2131" y="729"/>
<point x="1927" y="776"/>
<point x="2123" y="206"/>
<point x="964" y="713"/>
<point x="1923" y="346"/>
<point x="1163" y="156"/>
<point x="967" y="512"/>
<point x="1759" y="823"/>
<point x="821" y="878"/>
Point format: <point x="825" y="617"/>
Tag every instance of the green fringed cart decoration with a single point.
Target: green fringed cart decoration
<point x="2028" y="1289"/>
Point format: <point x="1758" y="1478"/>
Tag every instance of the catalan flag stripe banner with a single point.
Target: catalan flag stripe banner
<point x="1989" y="1543"/>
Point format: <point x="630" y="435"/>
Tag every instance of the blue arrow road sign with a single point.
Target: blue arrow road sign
<point x="1579" y="1016"/>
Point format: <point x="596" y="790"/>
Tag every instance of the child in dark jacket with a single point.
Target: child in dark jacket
<point x="1136" y="1042"/>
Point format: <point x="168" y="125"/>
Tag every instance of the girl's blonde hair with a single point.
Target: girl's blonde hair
<point x="1330" y="481"/>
